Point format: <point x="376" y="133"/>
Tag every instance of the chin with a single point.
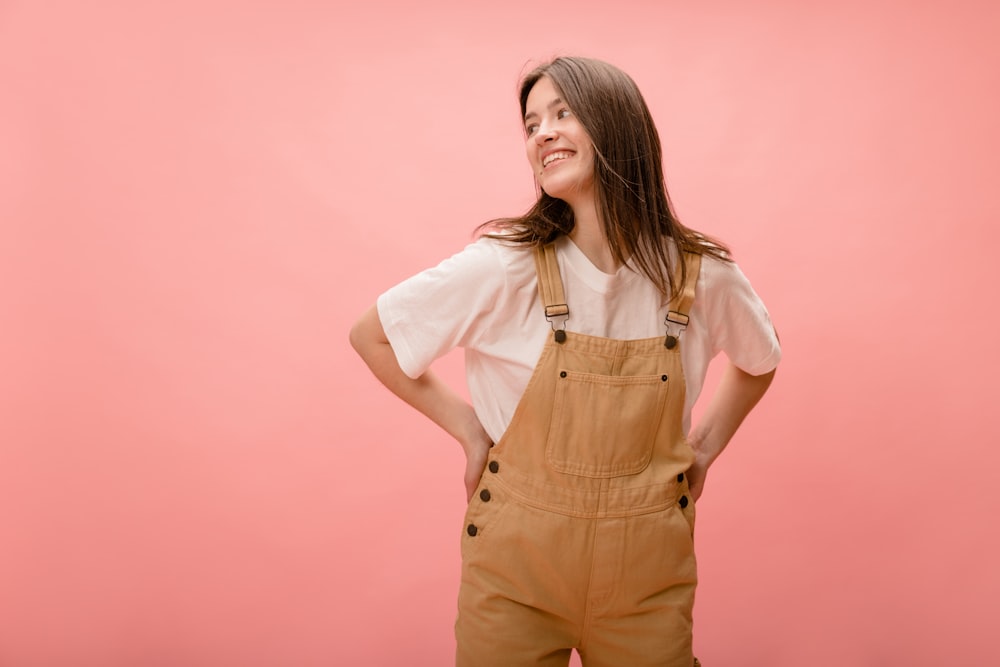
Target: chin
<point x="558" y="190"/>
<point x="567" y="193"/>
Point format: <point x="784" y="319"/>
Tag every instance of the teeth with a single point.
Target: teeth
<point x="561" y="155"/>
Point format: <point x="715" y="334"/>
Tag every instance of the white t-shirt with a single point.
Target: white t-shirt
<point x="485" y="299"/>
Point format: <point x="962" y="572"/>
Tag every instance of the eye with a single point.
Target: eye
<point x="563" y="113"/>
<point x="530" y="129"/>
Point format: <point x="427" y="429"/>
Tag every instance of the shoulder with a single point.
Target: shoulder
<point x="484" y="270"/>
<point x="480" y="260"/>
<point x="489" y="250"/>
<point x="725" y="296"/>
<point x="720" y="277"/>
<point x="494" y="258"/>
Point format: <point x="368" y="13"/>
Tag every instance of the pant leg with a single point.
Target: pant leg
<point x="517" y="636"/>
<point x="523" y="587"/>
<point x="646" y="566"/>
<point x="661" y="639"/>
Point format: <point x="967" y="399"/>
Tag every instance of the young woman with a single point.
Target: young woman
<point x="588" y="325"/>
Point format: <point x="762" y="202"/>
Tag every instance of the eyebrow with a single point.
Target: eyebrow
<point x="554" y="103"/>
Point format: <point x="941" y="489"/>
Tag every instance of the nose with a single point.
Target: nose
<point x="545" y="133"/>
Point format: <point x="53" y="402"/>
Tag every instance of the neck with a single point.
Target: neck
<point x="588" y="235"/>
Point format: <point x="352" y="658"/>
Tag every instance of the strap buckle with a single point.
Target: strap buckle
<point x="675" y="322"/>
<point x="558" y="312"/>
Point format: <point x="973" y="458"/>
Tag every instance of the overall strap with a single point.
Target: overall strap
<point x="679" y="308"/>
<point x="550" y="287"/>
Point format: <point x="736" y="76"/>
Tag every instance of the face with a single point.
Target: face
<point x="559" y="149"/>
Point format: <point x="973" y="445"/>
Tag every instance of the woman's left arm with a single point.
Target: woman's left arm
<point x="738" y="392"/>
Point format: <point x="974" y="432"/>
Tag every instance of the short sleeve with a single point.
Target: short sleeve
<point x="738" y="322"/>
<point x="436" y="310"/>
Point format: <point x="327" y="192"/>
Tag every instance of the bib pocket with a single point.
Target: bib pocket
<point x="604" y="425"/>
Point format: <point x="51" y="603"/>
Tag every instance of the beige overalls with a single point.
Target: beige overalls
<point x="580" y="532"/>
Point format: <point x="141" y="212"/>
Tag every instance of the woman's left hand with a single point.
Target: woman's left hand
<point x="697" y="472"/>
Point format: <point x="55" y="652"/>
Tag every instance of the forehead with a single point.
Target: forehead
<point x="542" y="94"/>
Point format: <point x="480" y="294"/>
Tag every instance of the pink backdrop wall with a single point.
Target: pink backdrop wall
<point x="198" y="199"/>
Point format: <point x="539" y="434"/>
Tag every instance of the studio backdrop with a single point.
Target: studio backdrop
<point x="198" y="199"/>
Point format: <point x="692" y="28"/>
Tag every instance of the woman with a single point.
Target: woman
<point x="588" y="325"/>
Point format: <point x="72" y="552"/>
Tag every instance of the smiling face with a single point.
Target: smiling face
<point x="559" y="149"/>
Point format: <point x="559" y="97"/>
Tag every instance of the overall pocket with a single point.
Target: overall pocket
<point x="604" y="425"/>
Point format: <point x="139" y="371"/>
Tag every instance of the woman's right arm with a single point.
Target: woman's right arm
<point x="427" y="393"/>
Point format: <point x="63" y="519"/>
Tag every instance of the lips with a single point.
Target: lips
<point x="549" y="158"/>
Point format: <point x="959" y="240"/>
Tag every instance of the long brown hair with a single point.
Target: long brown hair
<point x="631" y="194"/>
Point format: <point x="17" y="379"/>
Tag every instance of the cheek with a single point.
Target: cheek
<point x="533" y="163"/>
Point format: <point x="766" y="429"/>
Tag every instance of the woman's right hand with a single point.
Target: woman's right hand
<point x="477" y="450"/>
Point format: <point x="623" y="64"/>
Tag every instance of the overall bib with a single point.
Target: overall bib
<point x="580" y="534"/>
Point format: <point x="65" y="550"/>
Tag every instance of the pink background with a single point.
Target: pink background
<point x="198" y="199"/>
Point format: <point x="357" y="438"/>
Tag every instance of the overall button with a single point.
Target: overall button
<point x="562" y="374"/>
<point x="494" y="466"/>
<point x="683" y="503"/>
<point x="485" y="496"/>
<point x="680" y="477"/>
<point x="472" y="530"/>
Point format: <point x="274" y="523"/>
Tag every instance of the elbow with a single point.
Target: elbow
<point x="367" y="332"/>
<point x="360" y="333"/>
<point x="355" y="336"/>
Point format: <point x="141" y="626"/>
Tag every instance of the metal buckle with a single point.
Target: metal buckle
<point x="558" y="312"/>
<point x="675" y="323"/>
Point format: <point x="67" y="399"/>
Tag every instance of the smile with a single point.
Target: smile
<point x="552" y="157"/>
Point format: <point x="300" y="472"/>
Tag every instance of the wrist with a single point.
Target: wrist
<point x="704" y="453"/>
<point x="473" y="436"/>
